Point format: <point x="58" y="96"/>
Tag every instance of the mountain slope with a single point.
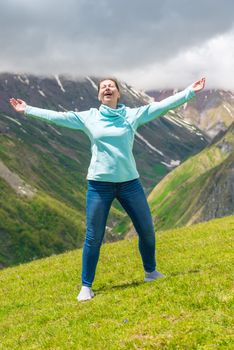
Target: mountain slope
<point x="191" y="308"/>
<point x="43" y="168"/>
<point x="154" y="142"/>
<point x="199" y="189"/>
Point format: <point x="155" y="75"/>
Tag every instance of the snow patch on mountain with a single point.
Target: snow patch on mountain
<point x="59" y="83"/>
<point x="24" y="81"/>
<point x="148" y="144"/>
<point x="12" y="119"/>
<point x="134" y="92"/>
<point x="52" y="128"/>
<point x="229" y="111"/>
<point x="173" y="163"/>
<point x="64" y="109"/>
<point x="183" y="123"/>
<point x="94" y="85"/>
<point x="41" y="93"/>
<point x="172" y="119"/>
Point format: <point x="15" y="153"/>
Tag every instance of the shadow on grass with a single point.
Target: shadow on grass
<point x="119" y="286"/>
<point x="181" y="273"/>
<point x="131" y="284"/>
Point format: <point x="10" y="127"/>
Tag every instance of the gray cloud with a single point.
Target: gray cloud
<point x="83" y="37"/>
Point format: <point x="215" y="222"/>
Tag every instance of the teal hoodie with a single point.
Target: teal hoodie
<point x="111" y="132"/>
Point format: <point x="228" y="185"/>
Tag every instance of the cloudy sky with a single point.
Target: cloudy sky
<point x="147" y="43"/>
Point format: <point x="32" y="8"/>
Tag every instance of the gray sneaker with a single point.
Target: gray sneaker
<point x="151" y="276"/>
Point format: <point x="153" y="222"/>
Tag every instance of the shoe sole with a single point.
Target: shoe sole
<point x="92" y="295"/>
<point x="153" y="279"/>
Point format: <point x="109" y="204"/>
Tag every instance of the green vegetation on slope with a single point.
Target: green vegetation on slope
<point x="176" y="200"/>
<point x="190" y="309"/>
<point x="36" y="228"/>
<point x="53" y="221"/>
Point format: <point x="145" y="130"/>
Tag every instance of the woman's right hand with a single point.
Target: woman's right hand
<point x="18" y="105"/>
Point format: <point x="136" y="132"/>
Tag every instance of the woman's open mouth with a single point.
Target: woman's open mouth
<point x="108" y="94"/>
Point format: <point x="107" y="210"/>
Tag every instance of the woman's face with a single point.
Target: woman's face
<point x="108" y="93"/>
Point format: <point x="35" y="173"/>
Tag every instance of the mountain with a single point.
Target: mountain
<point x="164" y="142"/>
<point x="200" y="189"/>
<point x="43" y="167"/>
<point x="191" y="308"/>
<point x="212" y="111"/>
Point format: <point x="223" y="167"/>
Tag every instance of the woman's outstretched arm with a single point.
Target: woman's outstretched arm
<point x="145" y="114"/>
<point x="72" y="120"/>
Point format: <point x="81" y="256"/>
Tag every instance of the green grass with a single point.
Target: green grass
<point x="36" y="228"/>
<point x="190" y="309"/>
<point x="180" y="196"/>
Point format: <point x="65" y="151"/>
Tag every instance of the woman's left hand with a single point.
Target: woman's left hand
<point x="199" y="85"/>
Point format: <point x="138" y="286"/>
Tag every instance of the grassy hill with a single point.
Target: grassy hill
<point x="53" y="219"/>
<point x="199" y="189"/>
<point x="189" y="309"/>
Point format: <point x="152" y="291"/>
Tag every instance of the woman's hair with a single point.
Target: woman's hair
<point x="112" y="79"/>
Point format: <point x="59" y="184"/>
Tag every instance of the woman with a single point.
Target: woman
<point x="112" y="172"/>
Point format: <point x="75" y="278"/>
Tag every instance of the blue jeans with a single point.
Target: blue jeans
<point x="131" y="196"/>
